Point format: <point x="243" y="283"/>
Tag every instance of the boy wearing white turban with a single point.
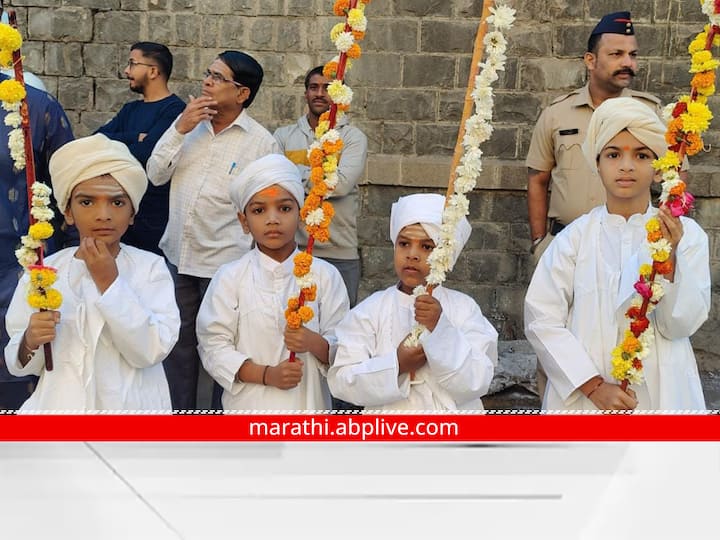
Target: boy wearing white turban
<point x="118" y="319"/>
<point x="452" y="366"/>
<point x="243" y="338"/>
<point x="584" y="283"/>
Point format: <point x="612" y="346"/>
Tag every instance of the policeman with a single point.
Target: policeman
<point x="555" y="155"/>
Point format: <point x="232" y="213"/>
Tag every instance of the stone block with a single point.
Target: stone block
<point x="570" y="40"/>
<point x="231" y="28"/>
<point x="524" y="138"/>
<point x="161" y="28"/>
<point x="641" y="9"/>
<point x="292" y="35"/>
<point x="426" y="171"/>
<point x="271" y="7"/>
<point x="376" y="70"/>
<point x="296" y="67"/>
<point x="63" y="59"/>
<point x="503" y="143"/>
<point x="140" y="5"/>
<point x="423" y="8"/>
<point x="451" y="105"/>
<point x="374" y="133"/>
<point x="490" y="236"/>
<point x="383" y="169"/>
<point x="60" y="24"/>
<point x="261" y="34"/>
<point x="104" y="59"/>
<point x="377" y="262"/>
<point x="90" y="121"/>
<point x="528" y="42"/>
<point x="678" y="11"/>
<point x="507" y="79"/>
<point x="96" y="4"/>
<point x="118" y="27"/>
<point x="668" y="76"/>
<point x="542" y="75"/>
<point x="652" y="39"/>
<point x="707" y="212"/>
<point x="177" y="5"/>
<point x="286" y="105"/>
<point x="436" y="138"/>
<point x="374" y="232"/>
<point x="516" y="107"/>
<point x="34" y="3"/>
<point x="680" y="37"/>
<point x="448" y="36"/>
<point x="273" y="65"/>
<point x="423" y="70"/>
<point x="111" y="95"/>
<point x="75" y="93"/>
<point x="33" y="56"/>
<point x="398" y="138"/>
<point x="402" y="105"/>
<point x="394" y="35"/>
<point x="467" y="8"/>
<point x="226" y="7"/>
<point x="498" y="267"/>
<point x="184" y="64"/>
<point x="298" y="8"/>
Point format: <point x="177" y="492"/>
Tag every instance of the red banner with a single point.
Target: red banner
<point x="343" y="428"/>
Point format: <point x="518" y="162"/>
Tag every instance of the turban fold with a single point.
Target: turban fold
<point x="90" y="157"/>
<point x="272" y="169"/>
<point x="617" y="114"/>
<point x="426" y="209"/>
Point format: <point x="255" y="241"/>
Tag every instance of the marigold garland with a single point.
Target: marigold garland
<point x="478" y="129"/>
<point x="324" y="155"/>
<point x="687" y="119"/>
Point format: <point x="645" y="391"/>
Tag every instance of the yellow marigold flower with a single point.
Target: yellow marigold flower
<point x="355" y="17"/>
<point x="306" y="313"/>
<point x="703" y="80"/>
<point x="293" y="303"/>
<point x="705" y="91"/>
<point x="620" y="368"/>
<point x="653" y="224"/>
<point x="10" y="38"/>
<point x="11" y="91"/>
<point x="328" y="210"/>
<point x="316" y="157"/>
<point x="53" y="299"/>
<point x="293" y="320"/>
<point x="678" y="189"/>
<point x="671" y="160"/>
<point x="645" y="270"/>
<point x="354" y="51"/>
<point x="338" y="29"/>
<point x="309" y="293"/>
<point x="6" y="58"/>
<point x="42" y="230"/>
<point x="694" y="143"/>
<point x="320" y="189"/>
<point x="698" y="44"/>
<point x="341" y="7"/>
<point x="303" y="261"/>
<point x="660" y="255"/>
<point x="330" y="70"/>
<point x="322" y="127"/>
<point x="703" y="61"/>
<point x="630" y="344"/>
<point x="654" y="236"/>
<point x="321" y="234"/>
<point x="697" y="118"/>
<point x="42" y="278"/>
<point x="332" y="147"/>
<point x="330" y="164"/>
<point x="317" y="174"/>
<point x="358" y="35"/>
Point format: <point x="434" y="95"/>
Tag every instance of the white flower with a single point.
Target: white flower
<point x="42" y="213"/>
<point x="667" y="111"/>
<point x="420" y="290"/>
<point x="413" y="340"/>
<point x="13" y="119"/>
<point x="315" y="217"/>
<point x="29" y="242"/>
<point x="495" y="42"/>
<point x="338" y="29"/>
<point x="306" y="281"/>
<point x="41" y="190"/>
<point x="340" y="93"/>
<point x="11" y="107"/>
<point x="657" y="291"/>
<point x="660" y="245"/>
<point x="331" y="135"/>
<point x="357" y="20"/>
<point x="331" y="180"/>
<point x="502" y="17"/>
<point x="464" y="184"/>
<point x="26" y="257"/>
<point x="344" y="41"/>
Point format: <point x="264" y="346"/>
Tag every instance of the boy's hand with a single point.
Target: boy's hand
<point x="41" y="328"/>
<point x="298" y="340"/>
<point x="610" y="397"/>
<point x="285" y="375"/>
<point x="410" y="358"/>
<point x="427" y="311"/>
<point x="671" y="227"/>
<point x="100" y="262"/>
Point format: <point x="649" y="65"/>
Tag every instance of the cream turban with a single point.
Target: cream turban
<point x="426" y="209"/>
<point x="272" y="169"/>
<point x="616" y="114"/>
<point x="90" y="157"/>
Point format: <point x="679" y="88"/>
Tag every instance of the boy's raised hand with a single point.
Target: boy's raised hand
<point x="41" y="329"/>
<point x="285" y="375"/>
<point x="671" y="227"/>
<point x="100" y="262"/>
<point x="427" y="311"/>
<point x="410" y="358"/>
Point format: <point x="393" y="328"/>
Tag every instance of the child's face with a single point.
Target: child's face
<point x="100" y="208"/>
<point x="412" y="248"/>
<point x="272" y="218"/>
<point x="625" y="167"/>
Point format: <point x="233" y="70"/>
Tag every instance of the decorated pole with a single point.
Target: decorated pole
<point x="31" y="255"/>
<point x="324" y="154"/>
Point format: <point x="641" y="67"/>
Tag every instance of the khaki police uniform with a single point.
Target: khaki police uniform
<point x="556" y="146"/>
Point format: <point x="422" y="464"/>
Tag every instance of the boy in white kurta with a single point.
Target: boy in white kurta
<point x="243" y="339"/>
<point x="118" y="319"/>
<point x="584" y="283"/>
<point x="453" y="365"/>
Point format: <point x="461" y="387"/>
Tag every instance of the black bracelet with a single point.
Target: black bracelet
<point x="264" y="373"/>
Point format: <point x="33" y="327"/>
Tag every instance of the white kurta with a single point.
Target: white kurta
<point x="242" y="317"/>
<point x="108" y="350"/>
<point x="461" y="354"/>
<point x="576" y="302"/>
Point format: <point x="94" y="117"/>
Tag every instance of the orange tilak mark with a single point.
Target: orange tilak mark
<point x="626" y="148"/>
<point x="271" y="191"/>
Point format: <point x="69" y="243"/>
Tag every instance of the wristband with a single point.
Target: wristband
<point x="264" y="373"/>
<point x="598" y="385"/>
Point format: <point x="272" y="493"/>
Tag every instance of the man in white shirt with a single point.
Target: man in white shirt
<point x="210" y="142"/>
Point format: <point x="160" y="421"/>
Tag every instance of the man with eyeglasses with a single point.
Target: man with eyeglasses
<point x="210" y="142"/>
<point x="140" y="124"/>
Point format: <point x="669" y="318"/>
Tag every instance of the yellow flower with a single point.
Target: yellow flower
<point x="652" y="225"/>
<point x="660" y="255"/>
<point x="42" y="278"/>
<point x="42" y="230"/>
<point x="697" y="118"/>
<point x="330" y="164"/>
<point x="6" y="59"/>
<point x="10" y="38"/>
<point x="646" y="270"/>
<point x="306" y="313"/>
<point x="698" y="44"/>
<point x="52" y="299"/>
<point x="703" y="61"/>
<point x="338" y="29"/>
<point x="293" y="320"/>
<point x="321" y="129"/>
<point x="671" y="160"/>
<point x="12" y="91"/>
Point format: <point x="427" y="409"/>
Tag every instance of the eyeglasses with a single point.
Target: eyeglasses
<point x="132" y="63"/>
<point x="218" y="78"/>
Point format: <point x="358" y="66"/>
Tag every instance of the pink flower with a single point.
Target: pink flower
<point x="679" y="206"/>
<point x="644" y="289"/>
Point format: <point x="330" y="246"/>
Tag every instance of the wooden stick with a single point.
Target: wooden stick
<point x="469" y="102"/>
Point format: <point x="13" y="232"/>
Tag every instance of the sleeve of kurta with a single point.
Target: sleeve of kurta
<point x="144" y="323"/>
<point x="165" y="156"/>
<point x="333" y="307"/>
<point x="16" y="322"/>
<point x="462" y="358"/>
<point x="686" y="303"/>
<point x="216" y="327"/>
<point x="548" y="301"/>
<point x="360" y="375"/>
<point x="351" y="164"/>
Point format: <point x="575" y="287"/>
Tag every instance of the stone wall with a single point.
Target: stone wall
<point x="409" y="89"/>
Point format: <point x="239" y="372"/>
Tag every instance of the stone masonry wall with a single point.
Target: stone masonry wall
<point x="409" y="88"/>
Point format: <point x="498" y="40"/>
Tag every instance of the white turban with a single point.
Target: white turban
<point x="617" y="114"/>
<point x="269" y="170"/>
<point x="426" y="209"/>
<point x="90" y="157"/>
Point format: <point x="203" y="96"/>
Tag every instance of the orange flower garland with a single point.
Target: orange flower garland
<point x="324" y="155"/>
<point x="687" y="120"/>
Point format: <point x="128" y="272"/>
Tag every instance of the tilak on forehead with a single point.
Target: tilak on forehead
<point x="270" y="191"/>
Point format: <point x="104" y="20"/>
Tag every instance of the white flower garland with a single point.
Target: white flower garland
<point x="477" y="130"/>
